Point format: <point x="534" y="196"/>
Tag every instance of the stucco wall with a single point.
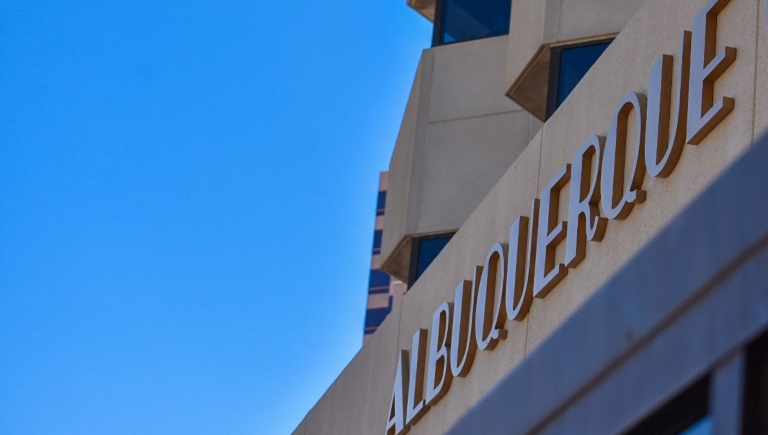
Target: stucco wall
<point x="538" y="22"/>
<point x="651" y="331"/>
<point x="458" y="136"/>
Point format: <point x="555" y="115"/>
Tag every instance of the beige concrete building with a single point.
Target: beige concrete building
<point x="597" y="165"/>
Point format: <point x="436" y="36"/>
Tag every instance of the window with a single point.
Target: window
<point x="465" y="20"/>
<point x="756" y="388"/>
<point x="423" y="251"/>
<point x="378" y="282"/>
<point x="381" y="203"/>
<point x="687" y="414"/>
<point x="377" y="234"/>
<point x="568" y="65"/>
<point x="374" y="317"/>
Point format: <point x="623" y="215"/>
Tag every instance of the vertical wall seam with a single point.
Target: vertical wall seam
<point x="754" y="69"/>
<point x="541" y="148"/>
<point x="525" y="344"/>
<point x="530" y="129"/>
<point x="421" y="135"/>
<point x="409" y="172"/>
<point x="535" y="194"/>
<point x="393" y="367"/>
<point x="559" y="17"/>
<point x="306" y="420"/>
<point x="399" y="328"/>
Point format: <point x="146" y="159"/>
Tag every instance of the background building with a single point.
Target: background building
<point x="383" y="291"/>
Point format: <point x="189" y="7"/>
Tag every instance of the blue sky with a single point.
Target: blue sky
<point x="187" y="196"/>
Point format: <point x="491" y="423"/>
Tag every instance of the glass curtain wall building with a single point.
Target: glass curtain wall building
<point x="383" y="290"/>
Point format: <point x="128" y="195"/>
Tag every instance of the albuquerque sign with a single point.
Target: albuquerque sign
<point x="513" y="274"/>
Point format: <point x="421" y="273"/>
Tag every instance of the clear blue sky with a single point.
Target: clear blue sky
<point x="187" y="196"/>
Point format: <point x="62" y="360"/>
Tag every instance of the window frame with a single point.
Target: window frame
<point x="755" y="396"/>
<point x="415" y="251"/>
<point x="553" y="82"/>
<point x="437" y="28"/>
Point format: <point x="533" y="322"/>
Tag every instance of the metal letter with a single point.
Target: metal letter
<point x="583" y="212"/>
<point x="520" y="268"/>
<point x="616" y="200"/>
<point x="550" y="234"/>
<point x="439" y="376"/>
<point x="396" y="420"/>
<point x="490" y="311"/>
<point x="415" y="408"/>
<point x="706" y="67"/>
<point x="463" y="345"/>
<point x="661" y="152"/>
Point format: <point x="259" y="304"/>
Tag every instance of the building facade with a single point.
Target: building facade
<point x="600" y="171"/>
<point x="383" y="291"/>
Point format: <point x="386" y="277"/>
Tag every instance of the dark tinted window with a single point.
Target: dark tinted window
<point x="465" y="20"/>
<point x="687" y="414"/>
<point x="375" y="317"/>
<point x="756" y="388"/>
<point x="569" y="65"/>
<point x="377" y="239"/>
<point x="378" y="280"/>
<point x="381" y="202"/>
<point x="424" y="251"/>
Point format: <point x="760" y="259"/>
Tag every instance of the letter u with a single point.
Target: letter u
<point x="520" y="267"/>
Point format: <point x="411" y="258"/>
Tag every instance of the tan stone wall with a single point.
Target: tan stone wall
<point x="537" y="23"/>
<point x="358" y="401"/>
<point x="459" y="134"/>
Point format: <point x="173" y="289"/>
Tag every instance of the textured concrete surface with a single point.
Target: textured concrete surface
<point x="468" y="80"/>
<point x="656" y="29"/>
<point x="538" y="24"/>
<point x="353" y="403"/>
<point x="671" y="314"/>
<point x="459" y="135"/>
